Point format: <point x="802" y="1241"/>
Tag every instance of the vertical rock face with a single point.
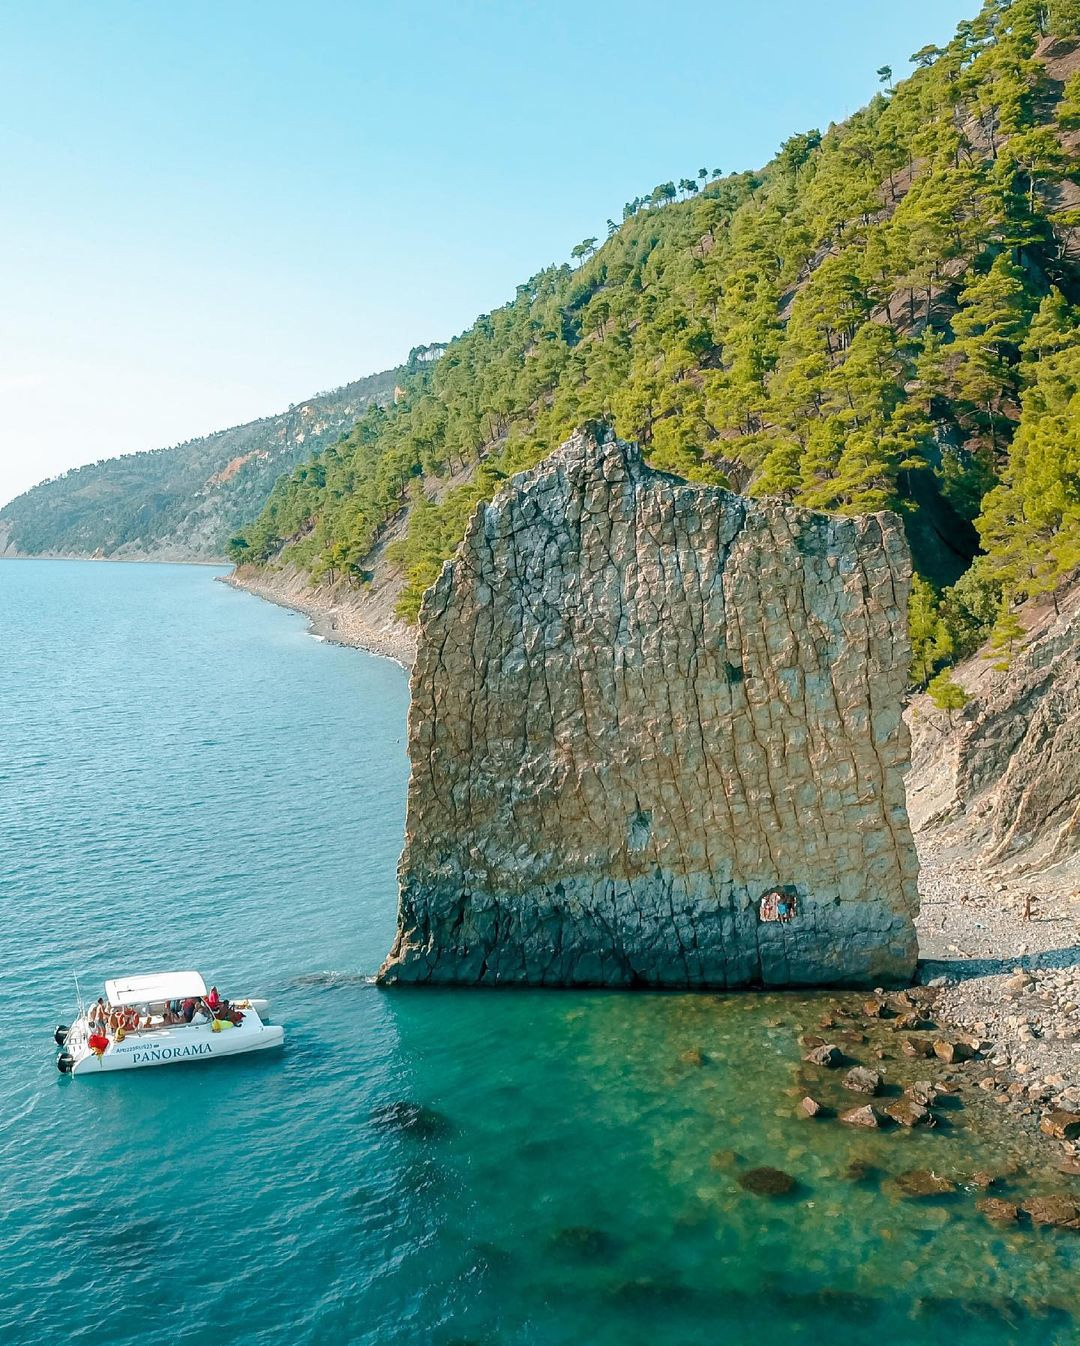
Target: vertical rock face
<point x="656" y="741"/>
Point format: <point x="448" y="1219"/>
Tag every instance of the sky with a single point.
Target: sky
<point x="214" y="208"/>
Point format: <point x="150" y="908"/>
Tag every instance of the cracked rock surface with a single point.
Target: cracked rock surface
<point x="641" y="706"/>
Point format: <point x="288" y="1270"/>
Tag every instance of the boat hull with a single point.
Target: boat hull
<point x="176" y="1045"/>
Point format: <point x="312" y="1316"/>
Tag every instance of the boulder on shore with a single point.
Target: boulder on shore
<point x="905" y="1112"/>
<point x="952" y="1052"/>
<point x="828" y="1055"/>
<point x="864" y="1117"/>
<point x="916" y="1047"/>
<point x="862" y="1081"/>
<point x="1061" y="1125"/>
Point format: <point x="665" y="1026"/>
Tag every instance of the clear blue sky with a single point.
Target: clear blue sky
<point x="213" y="208"/>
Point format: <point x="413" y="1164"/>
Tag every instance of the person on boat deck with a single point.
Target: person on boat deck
<point x="187" y="1009"/>
<point x="213" y="1000"/>
<point x="98" y="1013"/>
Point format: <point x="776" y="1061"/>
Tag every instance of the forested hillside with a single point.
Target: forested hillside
<point x="182" y="502"/>
<point x="884" y="316"/>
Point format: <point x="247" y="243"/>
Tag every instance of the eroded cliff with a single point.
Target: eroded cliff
<point x="656" y="740"/>
<point x="998" y="782"/>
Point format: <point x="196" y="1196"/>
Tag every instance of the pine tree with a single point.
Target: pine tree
<point x="989" y="327"/>
<point x="931" y="644"/>
<point x="946" y="693"/>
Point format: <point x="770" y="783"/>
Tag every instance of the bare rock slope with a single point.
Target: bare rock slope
<point x="1000" y="781"/>
<point x="649" y="717"/>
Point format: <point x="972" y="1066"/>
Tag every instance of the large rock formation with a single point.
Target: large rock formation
<point x="650" y="718"/>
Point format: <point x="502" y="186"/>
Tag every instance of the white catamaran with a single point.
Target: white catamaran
<point x="161" y="1019"/>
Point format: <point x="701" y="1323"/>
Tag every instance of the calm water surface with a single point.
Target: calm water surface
<point x="188" y="779"/>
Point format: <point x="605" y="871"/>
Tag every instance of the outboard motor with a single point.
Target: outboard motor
<point x="60" y="1035"/>
<point x="65" y="1063"/>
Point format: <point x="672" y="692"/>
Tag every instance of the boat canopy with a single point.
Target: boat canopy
<point x="154" y="987"/>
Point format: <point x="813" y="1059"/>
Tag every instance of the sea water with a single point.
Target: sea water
<point x="187" y="779"/>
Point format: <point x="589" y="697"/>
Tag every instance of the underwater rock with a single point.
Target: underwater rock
<point x="411" y="1119"/>
<point x="583" y="1243"/>
<point x="998" y="1210"/>
<point x="862" y="1081"/>
<point x="656" y="740"/>
<point x="693" y="1056"/>
<point x="918" y="1183"/>
<point x="724" y="1159"/>
<point x="767" y="1182"/>
<point x="1060" y="1211"/>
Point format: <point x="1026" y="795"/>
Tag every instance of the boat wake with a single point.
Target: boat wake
<point x="332" y="979"/>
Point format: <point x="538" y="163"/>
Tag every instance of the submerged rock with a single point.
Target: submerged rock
<point x="582" y="1243"/>
<point x="918" y="1183"/>
<point x="861" y="1170"/>
<point x="998" y="1210"/>
<point x="767" y="1182"/>
<point x="639" y="707"/>
<point x="1060" y="1211"/>
<point x="724" y="1159"/>
<point x="412" y="1119"/>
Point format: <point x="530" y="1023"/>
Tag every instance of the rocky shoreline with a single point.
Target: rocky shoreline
<point x="1002" y="954"/>
<point x="893" y="1062"/>
<point x="339" y="614"/>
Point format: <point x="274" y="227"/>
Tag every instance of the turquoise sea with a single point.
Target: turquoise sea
<point x="188" y="779"/>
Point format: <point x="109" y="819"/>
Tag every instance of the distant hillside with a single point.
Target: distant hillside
<point x="184" y="502"/>
<point x="887" y="315"/>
